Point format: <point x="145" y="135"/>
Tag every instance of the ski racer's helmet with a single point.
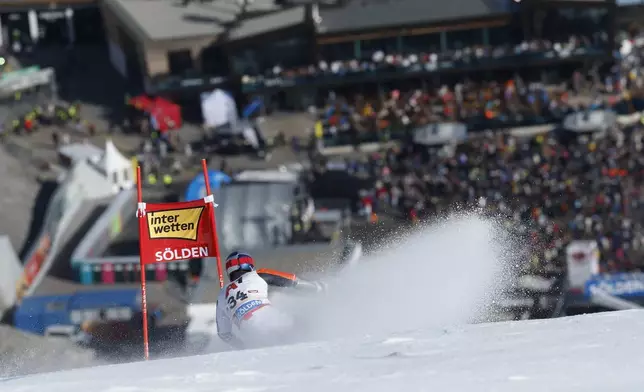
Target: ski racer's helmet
<point x="237" y="263"/>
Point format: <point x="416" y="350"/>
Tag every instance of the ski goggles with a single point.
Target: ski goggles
<point x="240" y="267"/>
<point x="240" y="262"/>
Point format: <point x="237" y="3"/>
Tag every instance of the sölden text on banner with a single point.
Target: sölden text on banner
<point x="176" y="231"/>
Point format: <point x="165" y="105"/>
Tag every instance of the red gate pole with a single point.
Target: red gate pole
<point x="213" y="224"/>
<point x="140" y="213"/>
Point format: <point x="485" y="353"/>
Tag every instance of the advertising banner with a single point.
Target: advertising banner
<point x="177" y="231"/>
<point x="620" y="285"/>
<point x="33" y="264"/>
<point x="170" y="232"/>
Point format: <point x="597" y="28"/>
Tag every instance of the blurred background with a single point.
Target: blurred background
<point x="328" y="126"/>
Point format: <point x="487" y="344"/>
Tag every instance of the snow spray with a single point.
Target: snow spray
<point x="443" y="274"/>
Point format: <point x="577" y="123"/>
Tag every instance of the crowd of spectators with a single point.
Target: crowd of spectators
<point x="491" y="104"/>
<point x="481" y="106"/>
<point x="558" y="190"/>
<point x="473" y="56"/>
<point x="555" y="187"/>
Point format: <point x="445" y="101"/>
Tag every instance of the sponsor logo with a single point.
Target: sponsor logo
<point x="174" y="224"/>
<point x="181" y="254"/>
<point x="624" y="286"/>
<point x="247" y="307"/>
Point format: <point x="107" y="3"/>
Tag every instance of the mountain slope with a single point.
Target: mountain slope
<point x="599" y="352"/>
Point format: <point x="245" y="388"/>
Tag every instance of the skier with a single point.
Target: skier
<point x="245" y="316"/>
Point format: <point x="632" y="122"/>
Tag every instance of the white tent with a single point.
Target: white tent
<point x="85" y="181"/>
<point x="116" y="167"/>
<point x="218" y="108"/>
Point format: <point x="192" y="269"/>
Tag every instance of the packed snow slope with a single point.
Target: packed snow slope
<point x="601" y="352"/>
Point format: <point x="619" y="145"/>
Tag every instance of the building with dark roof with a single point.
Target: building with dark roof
<point x="370" y="15"/>
<point x="165" y="45"/>
<point x="432" y="25"/>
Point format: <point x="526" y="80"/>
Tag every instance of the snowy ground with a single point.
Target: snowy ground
<point x="24" y="353"/>
<point x="397" y="320"/>
<point x="586" y="353"/>
<point x="202" y="331"/>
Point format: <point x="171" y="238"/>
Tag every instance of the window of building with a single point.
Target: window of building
<point x="558" y="24"/>
<point x="180" y="62"/>
<point x="293" y="52"/>
<point x="213" y="61"/>
<point x="133" y="64"/>
<point x="430" y="43"/>
<point x="462" y="39"/>
<point x="245" y="62"/>
<point x="504" y="35"/>
<point x="88" y="24"/>
<point x="338" y="51"/>
<point x="387" y="45"/>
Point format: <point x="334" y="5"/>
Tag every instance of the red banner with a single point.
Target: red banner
<point x="176" y="231"/>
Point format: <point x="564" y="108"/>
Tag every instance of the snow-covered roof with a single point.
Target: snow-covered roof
<point x="85" y="182"/>
<point x="82" y="181"/>
<point x="80" y="151"/>
<point x="115" y="168"/>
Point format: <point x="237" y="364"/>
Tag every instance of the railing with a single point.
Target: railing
<point x="164" y="83"/>
<point x="627" y="111"/>
<point x="400" y="132"/>
<point x="172" y="82"/>
<point x="389" y="72"/>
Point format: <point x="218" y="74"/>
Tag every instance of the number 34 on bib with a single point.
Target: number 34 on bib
<point x="236" y="297"/>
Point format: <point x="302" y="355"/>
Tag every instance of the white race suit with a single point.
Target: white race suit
<point x="246" y="317"/>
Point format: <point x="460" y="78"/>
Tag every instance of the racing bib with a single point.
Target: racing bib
<point x="246" y="307"/>
<point x="245" y="295"/>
